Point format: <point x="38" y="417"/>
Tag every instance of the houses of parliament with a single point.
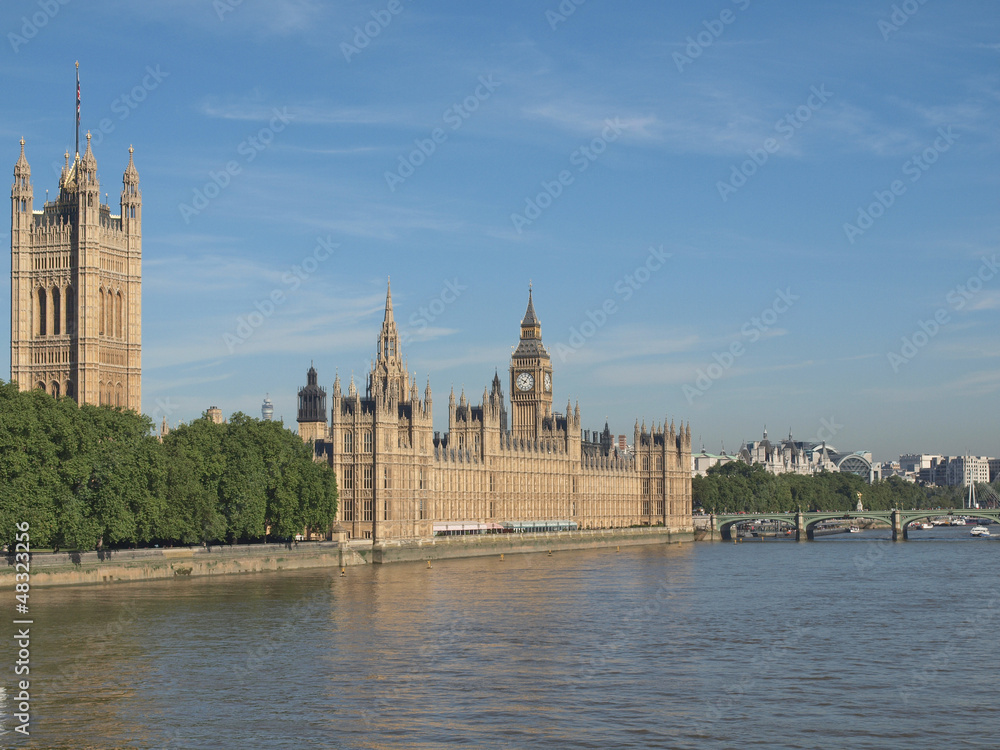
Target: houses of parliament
<point x="76" y="271"/>
<point x="398" y="479"/>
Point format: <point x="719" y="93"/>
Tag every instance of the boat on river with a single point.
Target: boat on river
<point x="979" y="531"/>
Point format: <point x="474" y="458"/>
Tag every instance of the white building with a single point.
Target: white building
<point x="964" y="470"/>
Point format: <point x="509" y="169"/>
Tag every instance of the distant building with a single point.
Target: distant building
<point x="964" y="470"/>
<point x="802" y="457"/>
<point x="939" y="471"/>
<point x="267" y="410"/>
<point x="702" y="462"/>
<point x="215" y="414"/>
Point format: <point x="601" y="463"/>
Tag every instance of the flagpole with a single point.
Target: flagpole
<point x="77" y="107"/>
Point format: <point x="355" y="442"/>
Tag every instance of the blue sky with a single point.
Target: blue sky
<point x="733" y="213"/>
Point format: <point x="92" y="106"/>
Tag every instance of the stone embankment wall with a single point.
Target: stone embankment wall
<point x="440" y="548"/>
<point x="69" y="568"/>
<point x="74" y="568"/>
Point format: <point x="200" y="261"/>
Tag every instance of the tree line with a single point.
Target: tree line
<point x="738" y="487"/>
<point x="88" y="477"/>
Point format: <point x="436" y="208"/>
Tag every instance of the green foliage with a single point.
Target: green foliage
<point x="736" y="486"/>
<point x="87" y="477"/>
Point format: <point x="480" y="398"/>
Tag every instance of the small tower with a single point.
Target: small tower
<point x="267" y="409"/>
<point x="312" y="407"/>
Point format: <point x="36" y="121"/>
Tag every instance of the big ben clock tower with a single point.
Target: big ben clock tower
<point x="530" y="379"/>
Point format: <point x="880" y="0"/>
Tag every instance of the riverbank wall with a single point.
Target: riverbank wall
<point x="120" y="566"/>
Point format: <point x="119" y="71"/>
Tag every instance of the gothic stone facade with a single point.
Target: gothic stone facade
<point x="76" y="306"/>
<point x="398" y="478"/>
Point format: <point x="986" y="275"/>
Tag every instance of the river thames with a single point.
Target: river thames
<point x="847" y="641"/>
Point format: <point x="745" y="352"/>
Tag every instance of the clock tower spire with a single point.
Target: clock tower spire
<point x="530" y="378"/>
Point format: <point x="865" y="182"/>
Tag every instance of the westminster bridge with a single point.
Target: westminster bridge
<point x="721" y="524"/>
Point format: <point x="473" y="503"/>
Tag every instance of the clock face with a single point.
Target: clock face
<point x="525" y="382"/>
<point x="548" y="382"/>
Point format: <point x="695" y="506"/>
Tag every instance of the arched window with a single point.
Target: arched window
<point x="42" y="316"/>
<point x="69" y="389"/>
<point x="119" y="310"/>
<point x="102" y="312"/>
<point x="109" y="323"/>
<point x="119" y="395"/>
<point x="55" y="389"/>
<point x="56" y="311"/>
<point x="40" y="385"/>
<point x="70" y="305"/>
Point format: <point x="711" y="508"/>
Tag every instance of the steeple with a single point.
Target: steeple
<point x="388" y="340"/>
<point x="21" y="168"/>
<point x="21" y="193"/>
<point x="131" y="202"/>
<point x="389" y="376"/>
<point x="89" y="161"/>
<point x="131" y="173"/>
<point x="531" y="327"/>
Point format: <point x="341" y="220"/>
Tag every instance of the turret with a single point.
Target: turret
<point x="312" y="408"/>
<point x="131" y="202"/>
<point x="21" y="197"/>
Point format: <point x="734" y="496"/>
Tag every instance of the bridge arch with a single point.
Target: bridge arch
<point x="874" y="515"/>
<point x="727" y="522"/>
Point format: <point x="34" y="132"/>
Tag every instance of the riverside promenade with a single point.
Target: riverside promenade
<point x="121" y="566"/>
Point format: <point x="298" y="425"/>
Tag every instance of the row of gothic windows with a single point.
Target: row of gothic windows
<point x="112" y="313"/>
<point x="110" y="394"/>
<point x="57" y="389"/>
<point x="54" y="311"/>
<point x="349" y="442"/>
